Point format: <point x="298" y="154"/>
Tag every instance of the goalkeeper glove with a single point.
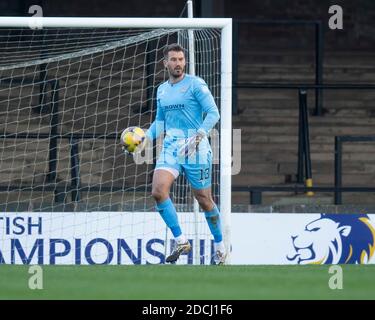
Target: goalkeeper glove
<point x="191" y="144"/>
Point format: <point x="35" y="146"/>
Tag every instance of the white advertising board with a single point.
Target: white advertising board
<point x="141" y="238"/>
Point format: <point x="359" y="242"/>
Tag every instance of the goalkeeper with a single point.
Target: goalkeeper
<point x="181" y="103"/>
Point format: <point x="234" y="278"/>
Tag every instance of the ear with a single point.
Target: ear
<point x="165" y="63"/>
<point x="345" y="230"/>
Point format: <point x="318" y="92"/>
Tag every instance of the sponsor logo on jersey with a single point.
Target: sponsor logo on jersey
<point x="172" y="107"/>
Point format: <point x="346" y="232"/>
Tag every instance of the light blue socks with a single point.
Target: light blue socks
<point x="169" y="215"/>
<point x="213" y="220"/>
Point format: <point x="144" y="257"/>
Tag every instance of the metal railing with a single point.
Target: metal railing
<point x="339" y="140"/>
<point x="255" y="192"/>
<point x="304" y="171"/>
<point x="304" y="156"/>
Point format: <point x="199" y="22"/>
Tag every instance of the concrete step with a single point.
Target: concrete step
<point x="285" y="139"/>
<point x="329" y="121"/>
<point x="247" y="111"/>
<point x="321" y="167"/>
<point x="276" y="156"/>
<point x="244" y="106"/>
<point x="99" y="100"/>
<point x="327" y="167"/>
<point x="27" y="178"/>
<point x="303" y="77"/>
<point x="250" y="68"/>
<point x="89" y="161"/>
<point x="348" y="179"/>
<point x="316" y="146"/>
<point x="328" y="96"/>
<point x="347" y="64"/>
<point x="89" y="201"/>
<point x="300" y="56"/>
<point x="317" y="129"/>
<point x="100" y="123"/>
<point x="318" y="199"/>
<point x="257" y="179"/>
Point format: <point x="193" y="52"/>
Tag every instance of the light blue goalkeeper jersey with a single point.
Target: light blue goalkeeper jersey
<point x="182" y="109"/>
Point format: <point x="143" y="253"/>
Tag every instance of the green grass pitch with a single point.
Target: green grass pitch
<point x="188" y="282"/>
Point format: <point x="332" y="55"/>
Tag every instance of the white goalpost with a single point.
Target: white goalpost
<point x="68" y="87"/>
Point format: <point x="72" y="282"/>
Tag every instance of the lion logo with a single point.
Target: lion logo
<point x="335" y="239"/>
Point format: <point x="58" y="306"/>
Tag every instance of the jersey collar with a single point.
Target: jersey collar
<point x="176" y="83"/>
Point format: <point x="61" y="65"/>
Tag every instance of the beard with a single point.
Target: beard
<point x="177" y="72"/>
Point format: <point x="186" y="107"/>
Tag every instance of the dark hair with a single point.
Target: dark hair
<point x="172" y="47"/>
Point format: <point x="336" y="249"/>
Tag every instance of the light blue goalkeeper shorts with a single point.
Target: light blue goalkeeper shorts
<point x="197" y="168"/>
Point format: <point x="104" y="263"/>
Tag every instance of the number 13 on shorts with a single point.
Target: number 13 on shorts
<point x="204" y="174"/>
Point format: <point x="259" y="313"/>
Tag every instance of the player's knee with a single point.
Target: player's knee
<point x="159" y="194"/>
<point x="207" y="206"/>
<point x="205" y="201"/>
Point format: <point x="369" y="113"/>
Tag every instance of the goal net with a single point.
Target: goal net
<point x="66" y="94"/>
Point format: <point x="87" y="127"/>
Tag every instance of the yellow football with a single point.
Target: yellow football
<point x="131" y="138"/>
